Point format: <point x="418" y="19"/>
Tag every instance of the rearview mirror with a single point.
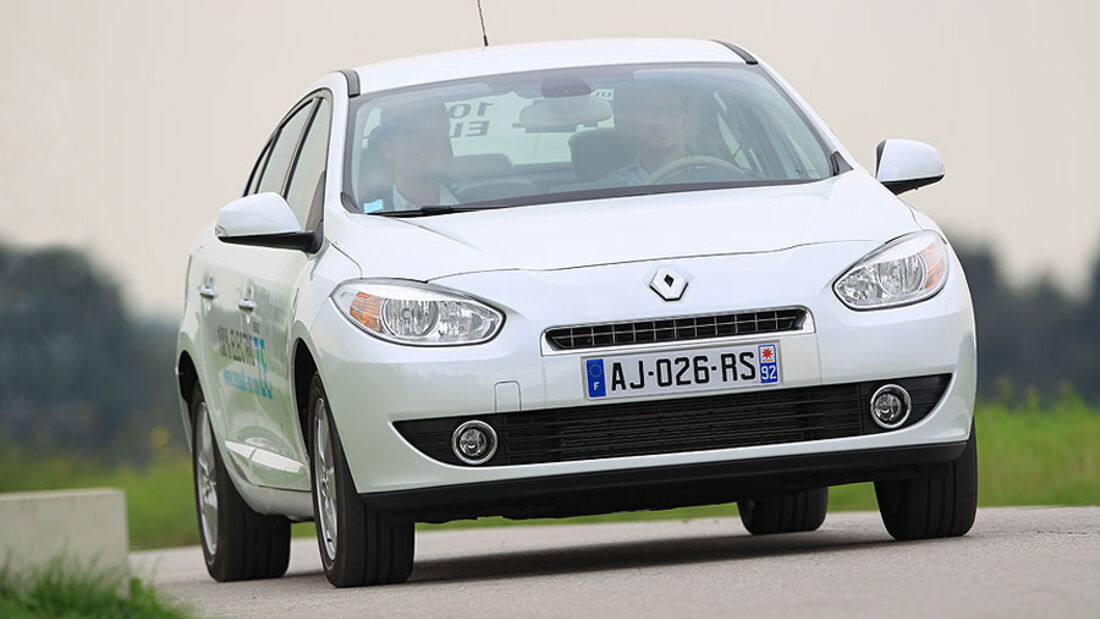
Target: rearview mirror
<point x="265" y="220"/>
<point x="902" y="165"/>
<point x="563" y="114"/>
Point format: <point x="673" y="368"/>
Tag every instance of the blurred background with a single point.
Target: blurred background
<point x="127" y="124"/>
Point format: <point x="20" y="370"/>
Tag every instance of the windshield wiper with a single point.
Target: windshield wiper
<point x="429" y="210"/>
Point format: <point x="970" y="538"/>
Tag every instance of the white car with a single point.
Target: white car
<point x="560" y="279"/>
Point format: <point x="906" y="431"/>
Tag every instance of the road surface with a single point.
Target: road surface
<point x="1015" y="562"/>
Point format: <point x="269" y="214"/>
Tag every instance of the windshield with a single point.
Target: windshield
<point x="582" y="133"/>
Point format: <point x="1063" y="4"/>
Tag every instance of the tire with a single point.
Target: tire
<point x="358" y="545"/>
<point x="785" y="513"/>
<point x="237" y="542"/>
<point x="940" y="505"/>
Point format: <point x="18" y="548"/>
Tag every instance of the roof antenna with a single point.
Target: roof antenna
<point x="481" y="16"/>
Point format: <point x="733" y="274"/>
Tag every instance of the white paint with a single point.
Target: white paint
<point x="261" y="213"/>
<point x="908" y="160"/>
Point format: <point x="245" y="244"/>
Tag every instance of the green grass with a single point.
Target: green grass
<point x="56" y="593"/>
<point x="1028" y="455"/>
<point x="1034" y="456"/>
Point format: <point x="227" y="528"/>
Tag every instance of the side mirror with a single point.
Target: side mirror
<point x="902" y="165"/>
<point x="265" y="220"/>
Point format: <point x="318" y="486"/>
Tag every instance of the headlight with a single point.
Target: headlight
<point x="413" y="313"/>
<point x="906" y="270"/>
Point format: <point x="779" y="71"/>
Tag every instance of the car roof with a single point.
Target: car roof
<point x="498" y="59"/>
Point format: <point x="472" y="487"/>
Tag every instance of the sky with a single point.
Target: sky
<point x="126" y="125"/>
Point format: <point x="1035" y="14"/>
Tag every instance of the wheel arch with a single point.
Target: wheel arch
<point x="303" y="366"/>
<point x="187" y="377"/>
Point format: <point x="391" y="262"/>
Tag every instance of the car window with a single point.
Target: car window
<point x="587" y="132"/>
<point x="305" y="180"/>
<point x="257" y="170"/>
<point x="286" y="144"/>
<point x="736" y="140"/>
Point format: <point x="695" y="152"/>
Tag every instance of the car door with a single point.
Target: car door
<point x="205" y="277"/>
<point x="269" y="287"/>
<point x="246" y="338"/>
<point x="227" y="355"/>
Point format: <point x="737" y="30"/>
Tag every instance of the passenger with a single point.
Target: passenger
<point x="655" y="117"/>
<point x="414" y="145"/>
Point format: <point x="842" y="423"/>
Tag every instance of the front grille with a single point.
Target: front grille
<point x="675" y="329"/>
<point x="687" y="424"/>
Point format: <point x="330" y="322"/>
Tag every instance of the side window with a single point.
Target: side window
<point x="309" y="169"/>
<point x="258" y="170"/>
<point x="281" y="153"/>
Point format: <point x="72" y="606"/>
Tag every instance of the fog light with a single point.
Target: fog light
<point x="474" y="442"/>
<point x="890" y="406"/>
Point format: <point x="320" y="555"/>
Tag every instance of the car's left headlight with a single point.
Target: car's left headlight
<point x="408" y="312"/>
<point x="906" y="270"/>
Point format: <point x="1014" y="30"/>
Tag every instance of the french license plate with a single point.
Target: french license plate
<point x="724" y="367"/>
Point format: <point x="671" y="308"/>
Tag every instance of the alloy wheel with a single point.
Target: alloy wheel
<point x="207" y="481"/>
<point x="324" y="478"/>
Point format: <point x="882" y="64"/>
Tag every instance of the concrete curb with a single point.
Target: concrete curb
<point x="73" y="530"/>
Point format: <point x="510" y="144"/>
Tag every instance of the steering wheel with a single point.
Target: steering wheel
<point x="695" y="161"/>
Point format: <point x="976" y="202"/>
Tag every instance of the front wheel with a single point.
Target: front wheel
<point x="785" y="513"/>
<point x="940" y="505"/>
<point x="237" y="542"/>
<point x="359" y="546"/>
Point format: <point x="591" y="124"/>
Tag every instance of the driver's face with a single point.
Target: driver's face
<point x="422" y="150"/>
<point x="657" y="121"/>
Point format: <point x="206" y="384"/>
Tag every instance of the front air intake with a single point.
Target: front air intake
<point x="682" y="329"/>
<point x="674" y="425"/>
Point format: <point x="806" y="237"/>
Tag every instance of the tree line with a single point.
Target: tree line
<point x="81" y="371"/>
<point x="78" y="370"/>
<point x="1033" y="340"/>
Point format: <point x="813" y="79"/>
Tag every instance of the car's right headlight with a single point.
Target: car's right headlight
<point x="408" y="312"/>
<point x="906" y="270"/>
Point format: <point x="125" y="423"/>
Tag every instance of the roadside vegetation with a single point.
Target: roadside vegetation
<point x="55" y="593"/>
<point x="1029" y="454"/>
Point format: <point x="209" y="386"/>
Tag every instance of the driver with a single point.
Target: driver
<point x="654" y="116"/>
<point x="415" y="147"/>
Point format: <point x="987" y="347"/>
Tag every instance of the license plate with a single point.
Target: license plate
<point x="724" y="367"/>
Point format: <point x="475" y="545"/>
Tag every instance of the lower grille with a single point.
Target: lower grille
<point x="687" y="424"/>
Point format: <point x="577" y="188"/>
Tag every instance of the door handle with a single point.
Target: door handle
<point x="246" y="305"/>
<point x="207" y="292"/>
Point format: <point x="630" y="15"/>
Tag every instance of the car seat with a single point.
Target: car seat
<point x="598" y="152"/>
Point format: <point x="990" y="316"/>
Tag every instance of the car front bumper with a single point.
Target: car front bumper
<point x="661" y="487"/>
<point x="372" y="384"/>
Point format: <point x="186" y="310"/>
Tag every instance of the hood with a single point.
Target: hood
<point x="849" y="207"/>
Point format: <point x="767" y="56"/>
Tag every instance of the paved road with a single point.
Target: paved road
<point x="1015" y="562"/>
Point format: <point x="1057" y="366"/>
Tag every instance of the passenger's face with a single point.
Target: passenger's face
<point x="423" y="150"/>
<point x="657" y="120"/>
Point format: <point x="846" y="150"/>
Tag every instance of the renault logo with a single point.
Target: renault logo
<point x="669" y="284"/>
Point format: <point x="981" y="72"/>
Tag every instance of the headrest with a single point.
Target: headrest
<point x="598" y="152"/>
